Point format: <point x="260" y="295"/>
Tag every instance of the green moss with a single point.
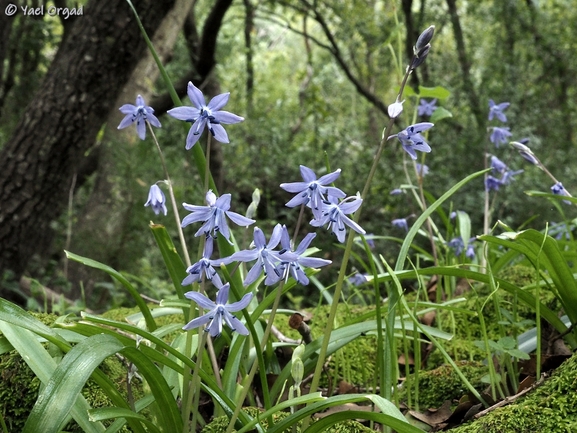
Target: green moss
<point x="442" y="383"/>
<point x="550" y="408"/>
<point x="220" y="424"/>
<point x="355" y="363"/>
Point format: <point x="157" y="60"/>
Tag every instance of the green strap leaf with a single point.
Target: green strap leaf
<point x="63" y="388"/>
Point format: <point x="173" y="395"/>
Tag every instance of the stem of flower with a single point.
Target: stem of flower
<point x="249" y="378"/>
<point x="172" y="198"/>
<point x="349" y="246"/>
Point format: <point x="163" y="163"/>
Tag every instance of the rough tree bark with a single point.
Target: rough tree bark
<point x="60" y="124"/>
<point x="100" y="230"/>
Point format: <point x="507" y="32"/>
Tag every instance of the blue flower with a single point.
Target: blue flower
<point x="294" y="267"/>
<point x="559" y="189"/>
<point x="219" y="312"/>
<point x="213" y="216"/>
<point x="357" y="279"/>
<point x="202" y="115"/>
<point x="396" y="191"/>
<point x="500" y="135"/>
<point x="496" y="110"/>
<point x="497" y="165"/>
<point x="427" y="108"/>
<point x="334" y="214"/>
<point x="507" y="177"/>
<point x="458" y="245"/>
<point x="139" y="113"/>
<point x="267" y="259"/>
<point x="156" y="200"/>
<point x="422" y="169"/>
<point x="206" y="266"/>
<point x="492" y="183"/>
<point x="313" y="191"/>
<point x="412" y="140"/>
<point x="401" y="223"/>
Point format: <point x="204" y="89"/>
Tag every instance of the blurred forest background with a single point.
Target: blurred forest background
<point x="313" y="79"/>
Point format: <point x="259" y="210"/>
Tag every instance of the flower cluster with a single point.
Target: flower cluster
<point x="328" y="203"/>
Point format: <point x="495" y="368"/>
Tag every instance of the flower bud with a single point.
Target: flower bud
<point x="424" y="39"/>
<point x="395" y="109"/>
<point x="526" y="152"/>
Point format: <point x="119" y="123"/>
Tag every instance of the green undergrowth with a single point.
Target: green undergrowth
<point x="550" y="408"/>
<point x="220" y="424"/>
<point x="19" y="387"/>
<point x="442" y="383"/>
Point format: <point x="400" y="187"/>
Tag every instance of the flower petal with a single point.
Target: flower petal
<point x="195" y="95"/>
<point x="240" y="305"/>
<point x="201" y="300"/>
<point x="218" y="102"/>
<point x="199" y="321"/>
<point x="188" y="114"/>
<point x="227" y="118"/>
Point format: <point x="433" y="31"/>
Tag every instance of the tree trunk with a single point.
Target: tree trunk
<point x="100" y="231"/>
<point x="60" y="125"/>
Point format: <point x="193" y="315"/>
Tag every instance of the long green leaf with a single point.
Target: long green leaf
<point x="307" y="411"/>
<point x="108" y="413"/>
<point x="426" y="214"/>
<point x="15" y="315"/>
<point x="150" y="323"/>
<point x="43" y="366"/>
<point x="63" y="388"/>
<point x="324" y="423"/>
<point x="173" y="262"/>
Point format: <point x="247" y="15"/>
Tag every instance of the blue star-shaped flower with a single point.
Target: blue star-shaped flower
<point x="496" y="110"/>
<point x="204" y="266"/>
<point x="156" y="200"/>
<point x="267" y="259"/>
<point x="426" y="108"/>
<point x="139" y="113"/>
<point x="205" y="115"/>
<point x="500" y="135"/>
<point x="313" y="191"/>
<point x="334" y="215"/>
<point x="214" y="216"/>
<point x="559" y="189"/>
<point x="219" y="312"/>
<point x="294" y="267"/>
<point x="401" y="223"/>
<point x="412" y="140"/>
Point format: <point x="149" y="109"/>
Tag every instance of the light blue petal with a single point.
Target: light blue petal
<point x="329" y="178"/>
<point x="202" y="301"/>
<point x="222" y="295"/>
<point x="253" y="274"/>
<point x="239" y="220"/>
<point x="235" y="324"/>
<point x="218" y="132"/>
<point x="188" y="114"/>
<point x="218" y="102"/>
<point x="195" y="95"/>
<point x="195" y="323"/>
<point x="294" y="187"/>
<point x="227" y="118"/>
<point x="240" y="305"/>
<point x="307" y="174"/>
